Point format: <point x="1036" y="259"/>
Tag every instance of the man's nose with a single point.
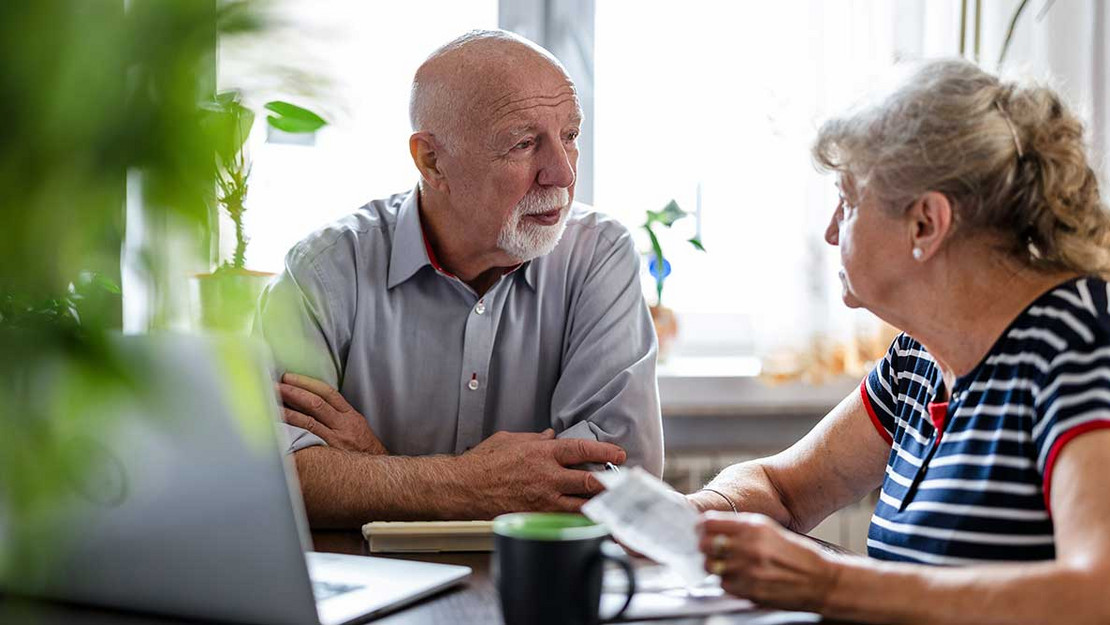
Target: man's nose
<point x="558" y="166"/>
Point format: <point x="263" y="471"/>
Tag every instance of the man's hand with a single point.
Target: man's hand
<point x="314" y="406"/>
<point x="515" y="472"/>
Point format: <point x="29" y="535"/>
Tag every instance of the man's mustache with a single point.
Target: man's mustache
<point x="539" y="202"/>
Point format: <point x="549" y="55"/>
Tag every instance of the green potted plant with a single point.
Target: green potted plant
<point x="97" y="96"/>
<point x="227" y="296"/>
<point x="666" y="324"/>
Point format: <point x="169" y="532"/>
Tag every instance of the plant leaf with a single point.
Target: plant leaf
<point x="229" y="123"/>
<point x="224" y="99"/>
<point x="670" y="214"/>
<point x="244" y="119"/>
<point x="658" y="251"/>
<point x="238" y="16"/>
<point x="696" y="242"/>
<point x="95" y="280"/>
<point x="292" y="118"/>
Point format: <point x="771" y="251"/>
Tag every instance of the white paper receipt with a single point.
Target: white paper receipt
<point x="650" y="517"/>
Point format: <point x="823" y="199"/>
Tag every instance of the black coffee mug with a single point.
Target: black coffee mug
<point x="548" y="568"/>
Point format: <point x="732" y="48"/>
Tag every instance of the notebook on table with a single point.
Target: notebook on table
<point x="428" y="536"/>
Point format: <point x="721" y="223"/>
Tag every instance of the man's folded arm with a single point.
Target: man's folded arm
<point x="299" y="334"/>
<point x="340" y="488"/>
<point x="344" y="489"/>
<point x="607" y="390"/>
<point x="507" y="472"/>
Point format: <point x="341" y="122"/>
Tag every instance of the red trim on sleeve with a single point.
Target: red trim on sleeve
<point x="871" y="413"/>
<point x="1057" y="446"/>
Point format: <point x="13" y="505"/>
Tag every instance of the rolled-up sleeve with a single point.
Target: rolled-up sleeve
<point x="293" y="322"/>
<point x="607" y="389"/>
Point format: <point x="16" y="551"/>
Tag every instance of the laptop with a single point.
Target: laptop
<point x="182" y="503"/>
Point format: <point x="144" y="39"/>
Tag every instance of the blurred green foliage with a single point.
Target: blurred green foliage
<point x="89" y="91"/>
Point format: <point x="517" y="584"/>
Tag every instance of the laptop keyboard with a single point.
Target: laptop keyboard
<point x="326" y="590"/>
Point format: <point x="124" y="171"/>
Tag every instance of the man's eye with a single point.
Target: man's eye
<point x="572" y="135"/>
<point x="524" y="145"/>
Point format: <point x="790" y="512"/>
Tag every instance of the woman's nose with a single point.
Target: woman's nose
<point x="832" y="232"/>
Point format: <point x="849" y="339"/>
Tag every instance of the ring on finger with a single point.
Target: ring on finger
<point x="720" y="545"/>
<point x="716" y="567"/>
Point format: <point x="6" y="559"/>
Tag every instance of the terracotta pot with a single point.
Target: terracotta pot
<point x="227" y="299"/>
<point x="666" y="329"/>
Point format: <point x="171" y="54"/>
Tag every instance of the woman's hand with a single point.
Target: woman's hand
<point x="758" y="559"/>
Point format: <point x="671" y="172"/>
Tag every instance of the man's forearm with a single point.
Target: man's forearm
<point x="346" y="489"/>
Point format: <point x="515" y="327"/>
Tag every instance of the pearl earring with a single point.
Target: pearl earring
<point x="918" y="253"/>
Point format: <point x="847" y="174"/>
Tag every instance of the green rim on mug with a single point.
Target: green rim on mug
<point x="547" y="526"/>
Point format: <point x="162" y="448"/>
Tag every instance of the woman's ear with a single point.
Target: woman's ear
<point x="930" y="223"/>
<point x="425" y="155"/>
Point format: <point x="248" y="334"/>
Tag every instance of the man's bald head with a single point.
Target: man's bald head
<point x="461" y="85"/>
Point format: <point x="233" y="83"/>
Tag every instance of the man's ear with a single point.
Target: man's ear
<point x="425" y="154"/>
<point x="930" y="223"/>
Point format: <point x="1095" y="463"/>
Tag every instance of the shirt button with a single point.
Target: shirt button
<point x="480" y="308"/>
<point x="472" y="384"/>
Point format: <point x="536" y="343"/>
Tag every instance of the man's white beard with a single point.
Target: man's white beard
<point x="524" y="239"/>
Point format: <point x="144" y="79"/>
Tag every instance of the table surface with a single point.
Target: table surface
<point x="476" y="601"/>
<point x="473" y="601"/>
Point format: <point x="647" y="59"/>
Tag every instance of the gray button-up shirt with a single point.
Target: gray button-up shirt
<point x="564" y="341"/>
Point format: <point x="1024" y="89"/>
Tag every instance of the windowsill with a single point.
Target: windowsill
<point x="731" y="387"/>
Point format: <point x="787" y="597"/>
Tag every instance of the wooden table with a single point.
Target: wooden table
<point x="476" y="600"/>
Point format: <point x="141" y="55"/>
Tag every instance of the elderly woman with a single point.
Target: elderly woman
<point x="970" y="217"/>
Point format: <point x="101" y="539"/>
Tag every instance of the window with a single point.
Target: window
<point x="715" y="104"/>
<point x="354" y="62"/>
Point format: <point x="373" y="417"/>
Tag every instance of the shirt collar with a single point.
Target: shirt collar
<point x="411" y="250"/>
<point x="529" y="270"/>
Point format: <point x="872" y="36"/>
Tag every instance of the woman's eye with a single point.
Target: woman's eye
<point x="844" y="207"/>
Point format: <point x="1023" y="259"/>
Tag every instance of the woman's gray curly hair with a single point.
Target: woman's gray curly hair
<point x="1010" y="158"/>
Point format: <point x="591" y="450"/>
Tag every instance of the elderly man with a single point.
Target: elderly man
<point x="488" y="339"/>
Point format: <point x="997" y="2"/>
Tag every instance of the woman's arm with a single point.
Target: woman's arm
<point x="842" y="459"/>
<point x="761" y="561"/>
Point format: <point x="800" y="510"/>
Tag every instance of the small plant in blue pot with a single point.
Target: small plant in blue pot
<point x="666" y="325"/>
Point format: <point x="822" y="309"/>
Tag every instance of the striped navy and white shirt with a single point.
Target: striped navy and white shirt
<point x="983" y="460"/>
